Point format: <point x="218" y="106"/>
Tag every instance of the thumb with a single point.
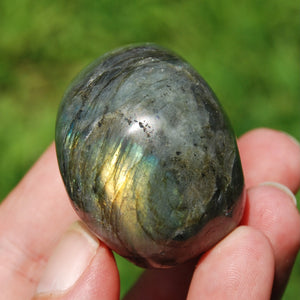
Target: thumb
<point x="81" y="267"/>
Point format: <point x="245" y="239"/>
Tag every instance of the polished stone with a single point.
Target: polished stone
<point x="148" y="157"/>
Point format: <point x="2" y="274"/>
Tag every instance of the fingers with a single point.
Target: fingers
<point x="163" y="284"/>
<point x="269" y="155"/>
<point x="241" y="266"/>
<point x="33" y="218"/>
<point x="266" y="155"/>
<point x="233" y="269"/>
<point x="272" y="210"/>
<point x="81" y="267"/>
<point x="37" y="212"/>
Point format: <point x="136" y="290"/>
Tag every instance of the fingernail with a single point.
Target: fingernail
<point x="69" y="260"/>
<point x="292" y="138"/>
<point x="282" y="188"/>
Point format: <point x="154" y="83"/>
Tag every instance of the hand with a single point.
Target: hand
<point x="42" y="256"/>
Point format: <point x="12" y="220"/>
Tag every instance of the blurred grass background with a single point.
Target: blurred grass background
<point x="246" y="50"/>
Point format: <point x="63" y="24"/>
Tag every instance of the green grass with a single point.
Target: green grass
<point x="247" y="51"/>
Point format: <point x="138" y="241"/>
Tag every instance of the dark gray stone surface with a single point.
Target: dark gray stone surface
<point x="148" y="157"/>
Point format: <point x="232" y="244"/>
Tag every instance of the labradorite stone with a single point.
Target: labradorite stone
<point x="148" y="157"/>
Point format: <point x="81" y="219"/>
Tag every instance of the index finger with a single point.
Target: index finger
<point x="270" y="155"/>
<point x="266" y="155"/>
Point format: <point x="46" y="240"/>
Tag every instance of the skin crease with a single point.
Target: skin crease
<point x="258" y="255"/>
